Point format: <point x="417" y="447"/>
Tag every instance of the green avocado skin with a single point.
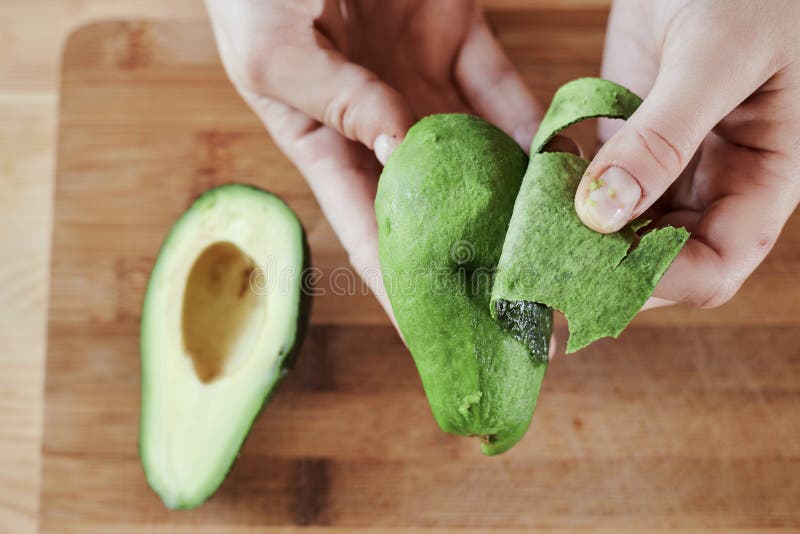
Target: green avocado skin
<point x="443" y="207"/>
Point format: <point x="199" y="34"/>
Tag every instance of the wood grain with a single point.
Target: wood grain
<point x="691" y="421"/>
<point x="32" y="33"/>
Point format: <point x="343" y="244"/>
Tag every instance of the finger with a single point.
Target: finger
<point x="341" y="175"/>
<point x="347" y="97"/>
<point x="313" y="77"/>
<point x="767" y="120"/>
<point x="623" y="48"/>
<point x="655" y="302"/>
<point x="694" y="90"/>
<point x="729" y="240"/>
<point x="553" y="347"/>
<point x="493" y="86"/>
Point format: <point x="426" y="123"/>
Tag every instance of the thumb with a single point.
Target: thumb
<point x="638" y="163"/>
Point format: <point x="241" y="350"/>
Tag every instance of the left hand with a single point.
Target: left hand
<point x="334" y="80"/>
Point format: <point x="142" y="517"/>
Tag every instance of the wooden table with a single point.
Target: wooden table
<point x="32" y="33"/>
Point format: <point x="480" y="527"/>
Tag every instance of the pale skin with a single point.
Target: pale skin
<point x="338" y="84"/>
<point x="714" y="147"/>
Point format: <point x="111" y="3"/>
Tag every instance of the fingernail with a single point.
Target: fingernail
<point x="523" y="135"/>
<point x="606" y="203"/>
<point x="384" y="146"/>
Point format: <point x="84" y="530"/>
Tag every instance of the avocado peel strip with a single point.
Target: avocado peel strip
<point x="476" y="251"/>
<point x="581" y="99"/>
<point x="551" y="258"/>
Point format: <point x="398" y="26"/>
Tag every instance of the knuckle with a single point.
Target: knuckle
<point x="667" y="154"/>
<point x="341" y="111"/>
<point x="718" y="294"/>
<point x="714" y="299"/>
<point x="252" y="73"/>
<point x="500" y="76"/>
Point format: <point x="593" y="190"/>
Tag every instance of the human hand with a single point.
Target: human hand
<point x="715" y="146"/>
<point x="333" y="80"/>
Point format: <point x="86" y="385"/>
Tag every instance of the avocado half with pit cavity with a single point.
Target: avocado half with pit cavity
<point x="223" y="318"/>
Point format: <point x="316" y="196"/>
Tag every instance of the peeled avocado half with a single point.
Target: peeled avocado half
<point x="478" y="245"/>
<point x="223" y="317"/>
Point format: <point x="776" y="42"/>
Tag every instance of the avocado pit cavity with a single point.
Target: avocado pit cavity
<point x="221" y="314"/>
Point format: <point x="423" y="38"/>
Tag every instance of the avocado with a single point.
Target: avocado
<point x="443" y="206"/>
<point x="476" y="251"/>
<point x="223" y="317"/>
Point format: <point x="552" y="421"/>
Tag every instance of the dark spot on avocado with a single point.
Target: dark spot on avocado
<point x="530" y="323"/>
<point x="473" y="281"/>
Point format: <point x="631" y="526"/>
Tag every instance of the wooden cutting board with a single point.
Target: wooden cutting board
<point x="691" y="420"/>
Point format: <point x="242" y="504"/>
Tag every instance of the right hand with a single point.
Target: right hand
<point x="334" y="80"/>
<point x="713" y="147"/>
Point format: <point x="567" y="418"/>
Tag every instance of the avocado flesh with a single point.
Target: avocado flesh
<point x="223" y="316"/>
<point x="443" y="206"/>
